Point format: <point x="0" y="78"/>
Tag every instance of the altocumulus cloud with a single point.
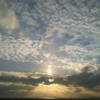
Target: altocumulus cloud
<point x="63" y="33"/>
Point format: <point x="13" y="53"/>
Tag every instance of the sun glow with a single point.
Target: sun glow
<point x="49" y="65"/>
<point x="49" y="71"/>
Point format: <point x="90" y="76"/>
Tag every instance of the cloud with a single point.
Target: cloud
<point x="13" y="87"/>
<point x="20" y="49"/>
<point x="64" y="33"/>
<point x="8" y="19"/>
<point x="25" y="78"/>
<point x="78" y="90"/>
<point x="61" y="33"/>
<point x="26" y="17"/>
<point x="11" y="90"/>
<point x="85" y="79"/>
<point x="85" y="69"/>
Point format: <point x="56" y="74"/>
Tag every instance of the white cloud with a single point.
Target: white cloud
<point x="26" y="17"/>
<point x="16" y="74"/>
<point x="8" y="19"/>
<point x="35" y="75"/>
<point x="19" y="49"/>
<point x="74" y="22"/>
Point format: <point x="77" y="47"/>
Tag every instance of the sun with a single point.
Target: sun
<point x="49" y="71"/>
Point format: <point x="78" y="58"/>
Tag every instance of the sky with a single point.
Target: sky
<point x="49" y="48"/>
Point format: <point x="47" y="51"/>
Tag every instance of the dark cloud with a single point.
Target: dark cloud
<point x="78" y="90"/>
<point x="83" y="79"/>
<point x="28" y="81"/>
<point x="9" y="87"/>
<point x="85" y="69"/>
<point x="13" y="90"/>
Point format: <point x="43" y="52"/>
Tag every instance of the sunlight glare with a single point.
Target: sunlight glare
<point x="49" y="65"/>
<point x="51" y="80"/>
<point x="49" y="71"/>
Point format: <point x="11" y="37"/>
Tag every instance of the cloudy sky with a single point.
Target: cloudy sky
<point x="49" y="45"/>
